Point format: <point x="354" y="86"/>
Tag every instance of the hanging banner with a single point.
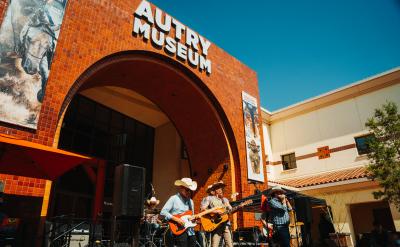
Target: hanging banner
<point x="28" y="39"/>
<point x="255" y="169"/>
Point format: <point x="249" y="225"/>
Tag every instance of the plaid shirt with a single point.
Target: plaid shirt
<point x="279" y="214"/>
<point x="151" y="218"/>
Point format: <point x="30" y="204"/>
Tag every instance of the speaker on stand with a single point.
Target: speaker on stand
<point x="128" y="203"/>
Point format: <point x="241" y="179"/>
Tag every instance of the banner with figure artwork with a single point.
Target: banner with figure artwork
<point x="28" y="39"/>
<point x="255" y="168"/>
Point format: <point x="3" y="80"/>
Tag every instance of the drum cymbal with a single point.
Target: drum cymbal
<point x="163" y="225"/>
<point x="152" y="211"/>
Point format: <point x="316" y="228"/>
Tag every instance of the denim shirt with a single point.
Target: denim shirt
<point x="177" y="204"/>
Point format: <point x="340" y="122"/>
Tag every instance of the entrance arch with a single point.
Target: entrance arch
<point x="182" y="96"/>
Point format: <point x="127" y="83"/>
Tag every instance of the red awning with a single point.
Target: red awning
<point x="24" y="158"/>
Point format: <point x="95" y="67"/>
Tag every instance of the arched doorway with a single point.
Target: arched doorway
<point x="191" y="108"/>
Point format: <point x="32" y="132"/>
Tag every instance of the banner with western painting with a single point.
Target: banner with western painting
<point x="28" y="39"/>
<point x="255" y="169"/>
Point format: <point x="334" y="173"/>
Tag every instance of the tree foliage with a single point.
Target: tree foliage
<point x="384" y="153"/>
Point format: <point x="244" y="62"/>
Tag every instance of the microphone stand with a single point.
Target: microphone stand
<point x="295" y="223"/>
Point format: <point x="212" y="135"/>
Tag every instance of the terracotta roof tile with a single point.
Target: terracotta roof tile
<point x="330" y="177"/>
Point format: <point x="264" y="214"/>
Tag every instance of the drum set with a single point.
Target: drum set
<point x="153" y="231"/>
<point x="156" y="233"/>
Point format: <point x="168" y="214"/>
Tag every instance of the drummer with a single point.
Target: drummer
<point x="151" y="215"/>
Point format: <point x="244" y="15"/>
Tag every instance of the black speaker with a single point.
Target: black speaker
<point x="247" y="234"/>
<point x="128" y="191"/>
<point x="303" y="209"/>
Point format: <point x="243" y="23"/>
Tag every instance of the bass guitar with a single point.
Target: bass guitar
<point x="188" y="219"/>
<point x="212" y="220"/>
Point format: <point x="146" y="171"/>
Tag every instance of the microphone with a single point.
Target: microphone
<point x="233" y="196"/>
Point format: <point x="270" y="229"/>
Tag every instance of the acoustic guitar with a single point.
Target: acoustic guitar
<point x="211" y="221"/>
<point x="188" y="218"/>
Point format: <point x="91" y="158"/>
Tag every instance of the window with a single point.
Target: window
<point x="289" y="161"/>
<point x="93" y="129"/>
<point x="361" y="144"/>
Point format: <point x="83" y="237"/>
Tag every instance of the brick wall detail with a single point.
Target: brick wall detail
<point x="97" y="29"/>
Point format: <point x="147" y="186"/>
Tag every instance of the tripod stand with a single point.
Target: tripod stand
<point x="147" y="235"/>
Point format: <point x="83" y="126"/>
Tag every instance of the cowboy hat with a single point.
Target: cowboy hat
<point x="208" y="190"/>
<point x="153" y="200"/>
<point x="187" y="183"/>
<point x="276" y="189"/>
<point x="216" y="185"/>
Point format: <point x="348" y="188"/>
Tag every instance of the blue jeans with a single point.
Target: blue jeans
<point x="282" y="232"/>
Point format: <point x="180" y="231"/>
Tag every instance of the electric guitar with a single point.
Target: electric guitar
<point x="268" y="231"/>
<point x="188" y="218"/>
<point x="211" y="221"/>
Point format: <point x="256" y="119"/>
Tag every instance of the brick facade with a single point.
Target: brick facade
<point x="97" y="31"/>
<point x="23" y="186"/>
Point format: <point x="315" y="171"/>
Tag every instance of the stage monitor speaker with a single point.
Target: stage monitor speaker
<point x="129" y="187"/>
<point x="303" y="209"/>
<point x="247" y="234"/>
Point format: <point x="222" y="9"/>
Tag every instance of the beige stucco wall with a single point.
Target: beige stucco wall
<point x="167" y="163"/>
<point x="334" y="126"/>
<point x="334" y="122"/>
<point x="396" y="216"/>
<point x="340" y="202"/>
<point x="267" y="144"/>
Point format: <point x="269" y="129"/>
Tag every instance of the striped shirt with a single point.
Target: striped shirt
<point x="214" y="201"/>
<point x="279" y="214"/>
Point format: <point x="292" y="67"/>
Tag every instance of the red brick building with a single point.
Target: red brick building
<point x="98" y="52"/>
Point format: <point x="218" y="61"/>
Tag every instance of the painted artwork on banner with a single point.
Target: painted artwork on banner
<point x="255" y="169"/>
<point x="28" y="39"/>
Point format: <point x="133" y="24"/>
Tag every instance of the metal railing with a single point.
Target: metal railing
<point x="64" y="238"/>
<point x="61" y="228"/>
<point x="65" y="230"/>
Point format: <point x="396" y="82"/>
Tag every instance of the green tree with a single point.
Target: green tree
<point x="384" y="152"/>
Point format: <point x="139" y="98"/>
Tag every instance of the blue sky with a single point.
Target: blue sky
<point x="299" y="48"/>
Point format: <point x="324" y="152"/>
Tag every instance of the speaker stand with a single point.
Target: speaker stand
<point x="135" y="232"/>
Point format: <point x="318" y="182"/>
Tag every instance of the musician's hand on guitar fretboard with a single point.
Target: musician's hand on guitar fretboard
<point x="219" y="211"/>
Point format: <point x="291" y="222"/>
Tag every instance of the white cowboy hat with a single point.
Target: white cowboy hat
<point x="187" y="183"/>
<point x="276" y="189"/>
<point x="153" y="200"/>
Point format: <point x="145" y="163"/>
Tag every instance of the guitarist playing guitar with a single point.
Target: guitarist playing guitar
<point x="178" y="205"/>
<point x="216" y="199"/>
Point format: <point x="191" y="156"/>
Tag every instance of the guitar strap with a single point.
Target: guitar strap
<point x="190" y="205"/>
